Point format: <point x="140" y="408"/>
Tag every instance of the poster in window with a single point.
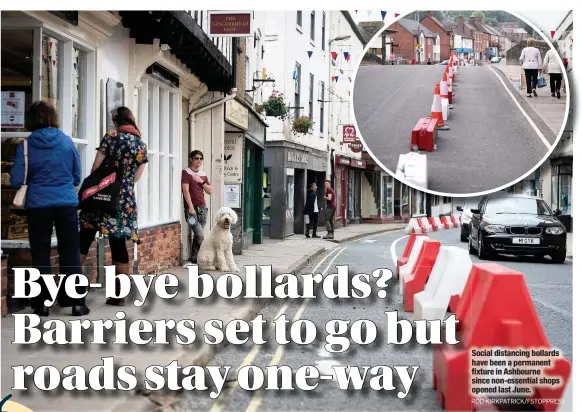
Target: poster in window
<point x="232" y="196"/>
<point x="115" y="98"/>
<point x="13" y="109"/>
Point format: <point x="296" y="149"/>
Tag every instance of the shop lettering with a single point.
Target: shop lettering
<point x="297" y="157"/>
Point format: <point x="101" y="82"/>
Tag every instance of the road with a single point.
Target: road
<point x="490" y="144"/>
<point x="550" y="286"/>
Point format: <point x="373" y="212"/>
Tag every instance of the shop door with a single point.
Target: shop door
<point x="300" y="190"/>
<point x="397" y="209"/>
<point x="344" y="196"/>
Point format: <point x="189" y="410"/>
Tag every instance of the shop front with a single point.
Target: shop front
<point x="562" y="189"/>
<point x="348" y="188"/>
<point x="289" y="170"/>
<point x="243" y="166"/>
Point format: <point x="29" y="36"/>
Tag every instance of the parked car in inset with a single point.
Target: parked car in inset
<point x="516" y="225"/>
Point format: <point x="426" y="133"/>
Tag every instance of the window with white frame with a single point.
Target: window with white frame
<point x="312" y="33"/>
<point x="248" y="75"/>
<point x="321" y="106"/>
<point x="311" y="91"/>
<point x="158" y="191"/>
<point x="299" y="18"/>
<point x="323" y="31"/>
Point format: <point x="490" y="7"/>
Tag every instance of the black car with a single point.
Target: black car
<point x="516" y="225"/>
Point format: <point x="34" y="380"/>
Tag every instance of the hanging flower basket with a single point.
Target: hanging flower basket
<point x="302" y="125"/>
<point x="274" y="106"/>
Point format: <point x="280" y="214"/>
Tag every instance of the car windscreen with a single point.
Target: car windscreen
<point x="518" y="205"/>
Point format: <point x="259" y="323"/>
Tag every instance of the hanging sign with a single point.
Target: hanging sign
<point x="356" y="147"/>
<point x="349" y="133"/>
<point x="13" y="109"/>
<point x="230" y="23"/>
<point x="233" y="157"/>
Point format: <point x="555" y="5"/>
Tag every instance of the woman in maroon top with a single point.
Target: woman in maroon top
<point x="329" y="210"/>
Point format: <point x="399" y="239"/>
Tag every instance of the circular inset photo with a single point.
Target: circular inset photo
<point x="460" y="103"/>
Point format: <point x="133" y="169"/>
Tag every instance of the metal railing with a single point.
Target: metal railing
<point x="224" y="44"/>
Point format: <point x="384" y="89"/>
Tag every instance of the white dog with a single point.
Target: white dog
<point x="216" y="249"/>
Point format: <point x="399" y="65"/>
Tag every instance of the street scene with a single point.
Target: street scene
<point x="488" y="117"/>
<point x="551" y="296"/>
<point x="159" y="145"/>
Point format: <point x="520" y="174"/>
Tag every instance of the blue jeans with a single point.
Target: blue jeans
<point x="197" y="232"/>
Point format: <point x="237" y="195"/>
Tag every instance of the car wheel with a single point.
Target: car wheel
<point x="559" y="258"/>
<point x="472" y="250"/>
<point x="481" y="252"/>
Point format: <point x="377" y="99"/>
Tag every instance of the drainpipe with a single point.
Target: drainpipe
<point x="194" y="112"/>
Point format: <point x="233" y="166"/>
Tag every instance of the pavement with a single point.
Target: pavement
<point x="285" y="256"/>
<point x="487" y="127"/>
<point x="550" y="109"/>
<point x="549" y="284"/>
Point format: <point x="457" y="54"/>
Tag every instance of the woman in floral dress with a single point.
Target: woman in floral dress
<point x="125" y="148"/>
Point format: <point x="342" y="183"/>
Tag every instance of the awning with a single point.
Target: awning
<point x="187" y="42"/>
<point x="464" y="50"/>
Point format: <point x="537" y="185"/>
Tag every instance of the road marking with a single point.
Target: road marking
<point x="258" y="397"/>
<point x="393" y="249"/>
<point x="375" y="235"/>
<point x="219" y="404"/>
<point x="531" y="122"/>
<point x="553" y="307"/>
<point x="368" y="241"/>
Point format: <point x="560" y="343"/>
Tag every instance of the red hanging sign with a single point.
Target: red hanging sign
<point x="349" y="133"/>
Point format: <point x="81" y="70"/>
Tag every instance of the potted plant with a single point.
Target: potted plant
<point x="302" y="125"/>
<point x="274" y="106"/>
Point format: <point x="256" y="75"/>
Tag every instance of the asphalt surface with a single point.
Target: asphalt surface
<point x="490" y="142"/>
<point x="550" y="286"/>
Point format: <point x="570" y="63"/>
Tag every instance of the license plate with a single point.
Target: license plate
<point x="526" y="241"/>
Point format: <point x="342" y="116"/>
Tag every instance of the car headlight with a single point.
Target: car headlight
<point x="554" y="230"/>
<point x="494" y="229"/>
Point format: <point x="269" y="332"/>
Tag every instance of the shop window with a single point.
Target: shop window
<point x="267" y="193"/>
<point x="388" y="195"/>
<point x="159" y="190"/>
<point x="562" y="188"/>
<point x="66" y="79"/>
<point x="405" y="200"/>
<point x="290" y="187"/>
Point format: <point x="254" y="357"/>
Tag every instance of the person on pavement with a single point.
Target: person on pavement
<point x="429" y="61"/>
<point x="51" y="172"/>
<point x="531" y="62"/>
<point x="329" y="210"/>
<point x="125" y="147"/>
<point x="552" y="67"/>
<point x="195" y="184"/>
<point x="312" y="209"/>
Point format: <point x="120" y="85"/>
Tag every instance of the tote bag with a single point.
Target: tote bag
<point x="101" y="190"/>
<point x="542" y="82"/>
<point x="20" y="197"/>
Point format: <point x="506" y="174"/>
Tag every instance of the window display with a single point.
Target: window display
<point x="13" y="226"/>
<point x="290" y="198"/>
<point x="387" y="195"/>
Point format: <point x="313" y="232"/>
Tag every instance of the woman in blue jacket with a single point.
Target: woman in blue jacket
<point x="54" y="169"/>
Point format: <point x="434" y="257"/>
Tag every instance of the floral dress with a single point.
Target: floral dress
<point x="130" y="151"/>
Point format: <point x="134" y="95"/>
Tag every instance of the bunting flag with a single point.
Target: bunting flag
<point x="383" y="15"/>
<point x="347" y="56"/>
<point x="334" y="55"/>
<point x="552" y="33"/>
<point x="336" y="78"/>
<point x="396" y="14"/>
<point x="356" y="11"/>
<point x="309" y="53"/>
<point x="50" y="44"/>
<point x="332" y="78"/>
<point x="54" y="62"/>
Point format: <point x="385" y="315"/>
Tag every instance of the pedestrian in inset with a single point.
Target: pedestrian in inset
<point x="51" y="170"/>
<point x="531" y="62"/>
<point x="329" y="210"/>
<point x="312" y="209"/>
<point x="552" y="67"/>
<point x="125" y="148"/>
<point x="195" y="184"/>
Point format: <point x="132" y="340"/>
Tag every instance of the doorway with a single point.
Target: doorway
<point x="300" y="188"/>
<point x="397" y="206"/>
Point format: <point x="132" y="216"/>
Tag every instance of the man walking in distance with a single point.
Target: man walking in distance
<point x="329" y="210"/>
<point x="311" y="209"/>
<point x="195" y="184"/>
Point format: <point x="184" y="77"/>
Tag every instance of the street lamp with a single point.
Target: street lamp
<point x="340" y="38"/>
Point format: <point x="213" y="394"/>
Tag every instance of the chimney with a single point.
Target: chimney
<point x="461" y="18"/>
<point x="471" y="19"/>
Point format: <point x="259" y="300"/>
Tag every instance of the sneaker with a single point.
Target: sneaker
<point x="316" y="237"/>
<point x="529" y="95"/>
<point x="307" y="235"/>
<point x="80" y="310"/>
<point x="554" y="94"/>
<point x="534" y="93"/>
<point x="558" y="95"/>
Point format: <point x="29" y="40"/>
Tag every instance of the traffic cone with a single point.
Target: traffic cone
<point x="444" y="96"/>
<point x="450" y="88"/>
<point x="436" y="111"/>
<point x="445" y="91"/>
<point x="452" y="73"/>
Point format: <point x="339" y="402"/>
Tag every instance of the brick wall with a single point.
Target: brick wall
<point x="241" y="67"/>
<point x="404" y="41"/>
<point x="430" y="24"/>
<point x="160" y="249"/>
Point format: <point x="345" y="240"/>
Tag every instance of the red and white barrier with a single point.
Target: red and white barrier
<point x="415" y="225"/>
<point x="412" y="239"/>
<point x="415" y="281"/>
<point x="436" y="224"/>
<point x="445" y="284"/>
<point x="406" y="269"/>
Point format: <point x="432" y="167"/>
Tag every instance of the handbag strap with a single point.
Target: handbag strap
<point x="25" y="161"/>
